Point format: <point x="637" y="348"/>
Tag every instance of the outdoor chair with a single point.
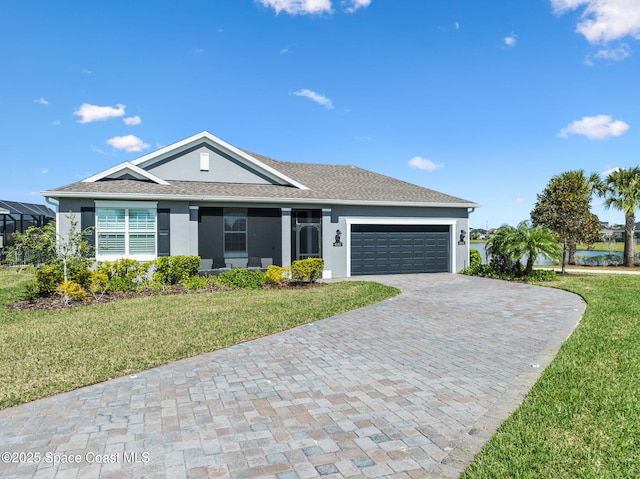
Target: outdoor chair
<point x="254" y="263"/>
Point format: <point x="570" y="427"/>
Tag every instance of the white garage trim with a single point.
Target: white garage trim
<point x="451" y="222"/>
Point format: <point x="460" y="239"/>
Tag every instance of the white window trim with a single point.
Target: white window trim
<point x="451" y="222"/>
<point x="127" y="205"/>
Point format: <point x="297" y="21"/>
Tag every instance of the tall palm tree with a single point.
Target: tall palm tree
<point x="621" y="190"/>
<point x="524" y="241"/>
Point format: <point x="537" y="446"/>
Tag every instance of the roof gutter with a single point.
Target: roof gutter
<point x="235" y="199"/>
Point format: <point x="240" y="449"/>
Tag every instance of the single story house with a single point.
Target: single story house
<point x="203" y="196"/>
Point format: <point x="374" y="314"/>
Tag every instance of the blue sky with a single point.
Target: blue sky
<point x="482" y="100"/>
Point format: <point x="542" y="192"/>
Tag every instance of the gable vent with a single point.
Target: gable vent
<point x="204" y="161"/>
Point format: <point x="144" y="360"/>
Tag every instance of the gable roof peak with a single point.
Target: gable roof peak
<point x="206" y="137"/>
<point x="123" y="168"/>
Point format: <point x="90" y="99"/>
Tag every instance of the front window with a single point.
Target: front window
<point x="235" y="233"/>
<point x="124" y="231"/>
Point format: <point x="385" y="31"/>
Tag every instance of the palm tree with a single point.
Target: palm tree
<point x="621" y="190"/>
<point x="524" y="241"/>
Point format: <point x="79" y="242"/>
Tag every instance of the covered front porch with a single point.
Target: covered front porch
<point x="254" y="238"/>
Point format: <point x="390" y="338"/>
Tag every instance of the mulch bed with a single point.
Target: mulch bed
<point x="56" y="302"/>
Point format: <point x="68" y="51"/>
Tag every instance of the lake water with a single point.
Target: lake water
<point x="582" y="256"/>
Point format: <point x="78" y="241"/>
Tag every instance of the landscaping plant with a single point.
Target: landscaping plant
<point x="307" y="270"/>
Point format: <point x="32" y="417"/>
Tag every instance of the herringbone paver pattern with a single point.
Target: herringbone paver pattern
<point x="411" y="387"/>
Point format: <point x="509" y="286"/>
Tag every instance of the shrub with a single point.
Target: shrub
<point x="71" y="291"/>
<point x="78" y="271"/>
<point x="475" y="258"/>
<point x="173" y="269"/>
<point x="122" y="284"/>
<point x="242" y="278"/>
<point x="31" y="291"/>
<point x="542" y="275"/>
<point x="98" y="283"/>
<point x="48" y="278"/>
<point x="488" y="271"/>
<point x="123" y="268"/>
<point x="483" y="270"/>
<point x="502" y="264"/>
<point x="195" y="282"/>
<point x="307" y="270"/>
<point x="277" y="274"/>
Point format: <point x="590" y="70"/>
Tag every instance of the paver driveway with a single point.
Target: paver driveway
<point x="410" y="387"/>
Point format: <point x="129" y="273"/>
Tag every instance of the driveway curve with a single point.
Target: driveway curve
<point x="410" y="387"/>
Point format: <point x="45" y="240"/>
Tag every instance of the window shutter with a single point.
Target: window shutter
<point x="88" y="220"/>
<point x="164" y="237"/>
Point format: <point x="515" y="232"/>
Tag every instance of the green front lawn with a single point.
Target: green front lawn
<point x="582" y="418"/>
<point x="48" y="352"/>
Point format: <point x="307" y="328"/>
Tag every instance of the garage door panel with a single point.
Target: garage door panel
<point x="396" y="249"/>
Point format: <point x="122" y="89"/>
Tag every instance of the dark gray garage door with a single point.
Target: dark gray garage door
<point x="391" y="249"/>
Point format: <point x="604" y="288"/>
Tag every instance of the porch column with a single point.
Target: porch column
<point x="286" y="236"/>
<point x="328" y="237"/>
<point x="193" y="230"/>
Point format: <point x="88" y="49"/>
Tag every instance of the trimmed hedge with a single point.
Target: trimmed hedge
<point x="242" y="278"/>
<point x="277" y="274"/>
<point x="173" y="269"/>
<point x="307" y="270"/>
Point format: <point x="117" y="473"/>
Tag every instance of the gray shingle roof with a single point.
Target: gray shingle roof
<point x="325" y="182"/>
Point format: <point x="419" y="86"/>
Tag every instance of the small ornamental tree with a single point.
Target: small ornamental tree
<point x="73" y="251"/>
<point x="565" y="208"/>
<point x="37" y="245"/>
<point x="64" y="257"/>
<point x="509" y="245"/>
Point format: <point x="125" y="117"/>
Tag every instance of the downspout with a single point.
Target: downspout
<point x="51" y="202"/>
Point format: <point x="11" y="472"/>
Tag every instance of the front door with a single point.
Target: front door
<point x="306" y="241"/>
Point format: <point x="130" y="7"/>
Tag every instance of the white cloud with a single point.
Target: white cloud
<point x="604" y="20"/>
<point x="299" y="7"/>
<point x="456" y="25"/>
<point x="41" y="101"/>
<point x="354" y="5"/>
<point x="317" y="97"/>
<point x="128" y="143"/>
<point x="362" y="138"/>
<point x="98" y="150"/>
<point x="511" y="40"/>
<point x="132" y="120"/>
<point x="45" y="171"/>
<point x="56" y="123"/>
<point x="313" y="7"/>
<point x="89" y="113"/>
<point x="424" y="164"/>
<point x="608" y="171"/>
<point x="613" y="54"/>
<point x="284" y="51"/>
<point x="599" y="127"/>
<point x="520" y="199"/>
